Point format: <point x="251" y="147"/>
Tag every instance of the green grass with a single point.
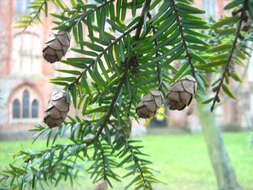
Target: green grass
<point x="182" y="161"/>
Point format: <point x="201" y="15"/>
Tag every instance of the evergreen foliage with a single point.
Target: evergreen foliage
<point x="130" y="48"/>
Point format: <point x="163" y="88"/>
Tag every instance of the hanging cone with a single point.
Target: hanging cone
<point x="57" y="110"/>
<point x="247" y="21"/>
<point x="56" y="46"/>
<point x="181" y="93"/>
<point x="149" y="104"/>
<point x="102" y="185"/>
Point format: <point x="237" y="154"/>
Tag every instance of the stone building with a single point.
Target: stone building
<point x="24" y="76"/>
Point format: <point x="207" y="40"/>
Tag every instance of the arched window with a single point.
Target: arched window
<point x="26" y="54"/>
<point x="25" y="106"/>
<point x="16" y="109"/>
<point x="35" y="109"/>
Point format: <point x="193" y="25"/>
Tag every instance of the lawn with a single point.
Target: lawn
<point x="181" y="160"/>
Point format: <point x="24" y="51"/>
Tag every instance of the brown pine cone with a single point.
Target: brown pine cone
<point x="149" y="104"/>
<point x="56" y="46"/>
<point x="246" y="25"/>
<point x="181" y="93"/>
<point x="102" y="185"/>
<point x="58" y="108"/>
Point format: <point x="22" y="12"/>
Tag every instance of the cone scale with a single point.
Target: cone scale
<point x="57" y="110"/>
<point x="181" y="93"/>
<point x="149" y="104"/>
<point x="57" y="46"/>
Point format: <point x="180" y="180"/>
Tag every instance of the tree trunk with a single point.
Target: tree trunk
<point x="224" y="171"/>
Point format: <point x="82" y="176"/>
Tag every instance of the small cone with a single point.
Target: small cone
<point x="149" y="104"/>
<point x="56" y="46"/>
<point x="181" y="93"/>
<point x="102" y="185"/>
<point x="57" y="109"/>
<point x="246" y="25"/>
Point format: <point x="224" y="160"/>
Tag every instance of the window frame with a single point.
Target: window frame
<point x="16" y="111"/>
<point x="25" y="104"/>
<point x="25" y="57"/>
<point x="27" y="101"/>
<point x="35" y="102"/>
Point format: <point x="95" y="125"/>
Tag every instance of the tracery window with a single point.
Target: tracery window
<point x="35" y="108"/>
<point x="25" y="107"/>
<point x="26" y="54"/>
<point x="16" y="109"/>
<point x="25" y="104"/>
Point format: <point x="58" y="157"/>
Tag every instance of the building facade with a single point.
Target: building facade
<point x="24" y="76"/>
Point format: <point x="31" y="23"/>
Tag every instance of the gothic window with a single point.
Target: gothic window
<point x="16" y="109"/>
<point x="26" y="54"/>
<point x="209" y="6"/>
<point x="25" y="106"/>
<point x="35" y="109"/>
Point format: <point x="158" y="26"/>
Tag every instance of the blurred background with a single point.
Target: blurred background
<point x="25" y="91"/>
